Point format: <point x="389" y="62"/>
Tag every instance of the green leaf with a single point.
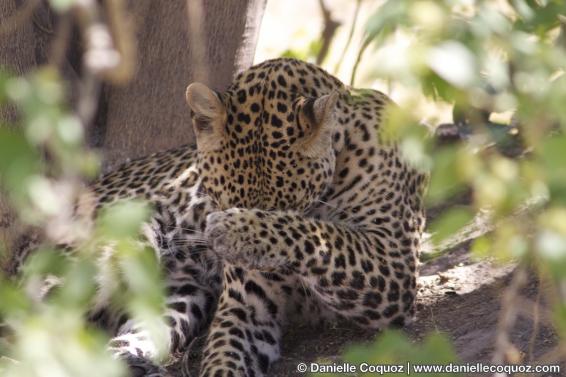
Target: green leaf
<point x="14" y="301"/>
<point x="552" y="153"/>
<point x="481" y="247"/>
<point x="560" y="319"/>
<point x="392" y="12"/>
<point x="393" y="348"/>
<point x="62" y="5"/>
<point x="449" y="223"/>
<point x="123" y="219"/>
<point x="45" y="262"/>
<point x="445" y="181"/>
<point x="18" y="163"/>
<point x="453" y="62"/>
<point x="80" y="285"/>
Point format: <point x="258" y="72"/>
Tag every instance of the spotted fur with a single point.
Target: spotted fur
<point x="291" y="204"/>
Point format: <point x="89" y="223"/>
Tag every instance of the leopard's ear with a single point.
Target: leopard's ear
<point x="318" y="119"/>
<point x="208" y="115"/>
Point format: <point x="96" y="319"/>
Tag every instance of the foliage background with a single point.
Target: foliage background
<point x="494" y="69"/>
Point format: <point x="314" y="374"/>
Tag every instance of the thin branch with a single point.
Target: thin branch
<point x="482" y="223"/>
<point x="536" y="324"/>
<point x="62" y="37"/>
<point x="363" y="48"/>
<point x="507" y="317"/>
<point x="350" y="36"/>
<point x="554" y="356"/>
<point x="561" y="39"/>
<point x="99" y="58"/>
<point x="108" y="56"/>
<point x="532" y="310"/>
<point x="328" y="32"/>
<point x="122" y="30"/>
<point x="195" y="16"/>
<point x="88" y="93"/>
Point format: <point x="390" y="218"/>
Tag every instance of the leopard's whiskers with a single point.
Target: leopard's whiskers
<point x="333" y="209"/>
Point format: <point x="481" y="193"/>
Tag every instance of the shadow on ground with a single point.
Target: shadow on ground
<point x="457" y="295"/>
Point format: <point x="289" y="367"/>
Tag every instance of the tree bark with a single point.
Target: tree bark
<point x="22" y="48"/>
<point x="149" y="113"/>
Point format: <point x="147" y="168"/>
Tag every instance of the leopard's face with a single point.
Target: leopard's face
<point x="260" y="152"/>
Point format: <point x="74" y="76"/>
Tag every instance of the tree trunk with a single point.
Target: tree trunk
<point x="18" y="60"/>
<point x="149" y="113"/>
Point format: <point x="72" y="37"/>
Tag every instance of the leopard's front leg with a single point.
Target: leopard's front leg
<point x="193" y="278"/>
<point x="245" y="333"/>
<point x="189" y="306"/>
<point x="366" y="273"/>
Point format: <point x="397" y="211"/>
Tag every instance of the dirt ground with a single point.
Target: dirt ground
<point x="457" y="295"/>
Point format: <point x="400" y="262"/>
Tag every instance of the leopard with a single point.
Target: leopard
<point x="291" y="205"/>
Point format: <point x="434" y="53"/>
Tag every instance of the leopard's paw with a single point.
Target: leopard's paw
<point x="236" y="236"/>
<point x="141" y="367"/>
<point x="229" y="235"/>
<point x="137" y="351"/>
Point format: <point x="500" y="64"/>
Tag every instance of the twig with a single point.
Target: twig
<point x="328" y="32"/>
<point x="528" y="307"/>
<point x="88" y="93"/>
<point x="19" y="17"/>
<point x="561" y="39"/>
<point x="121" y="28"/>
<point x="9" y="360"/>
<point x="108" y="58"/>
<point x="507" y="317"/>
<point x="536" y="322"/>
<point x="350" y="36"/>
<point x="363" y="48"/>
<point x="195" y="14"/>
<point x="554" y="356"/>
<point x="558" y="353"/>
<point x="59" y="46"/>
<point x="481" y="224"/>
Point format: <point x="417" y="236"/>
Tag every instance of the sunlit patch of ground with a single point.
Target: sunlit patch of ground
<point x="456" y="274"/>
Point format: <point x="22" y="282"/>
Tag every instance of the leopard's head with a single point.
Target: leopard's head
<point x="259" y="149"/>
